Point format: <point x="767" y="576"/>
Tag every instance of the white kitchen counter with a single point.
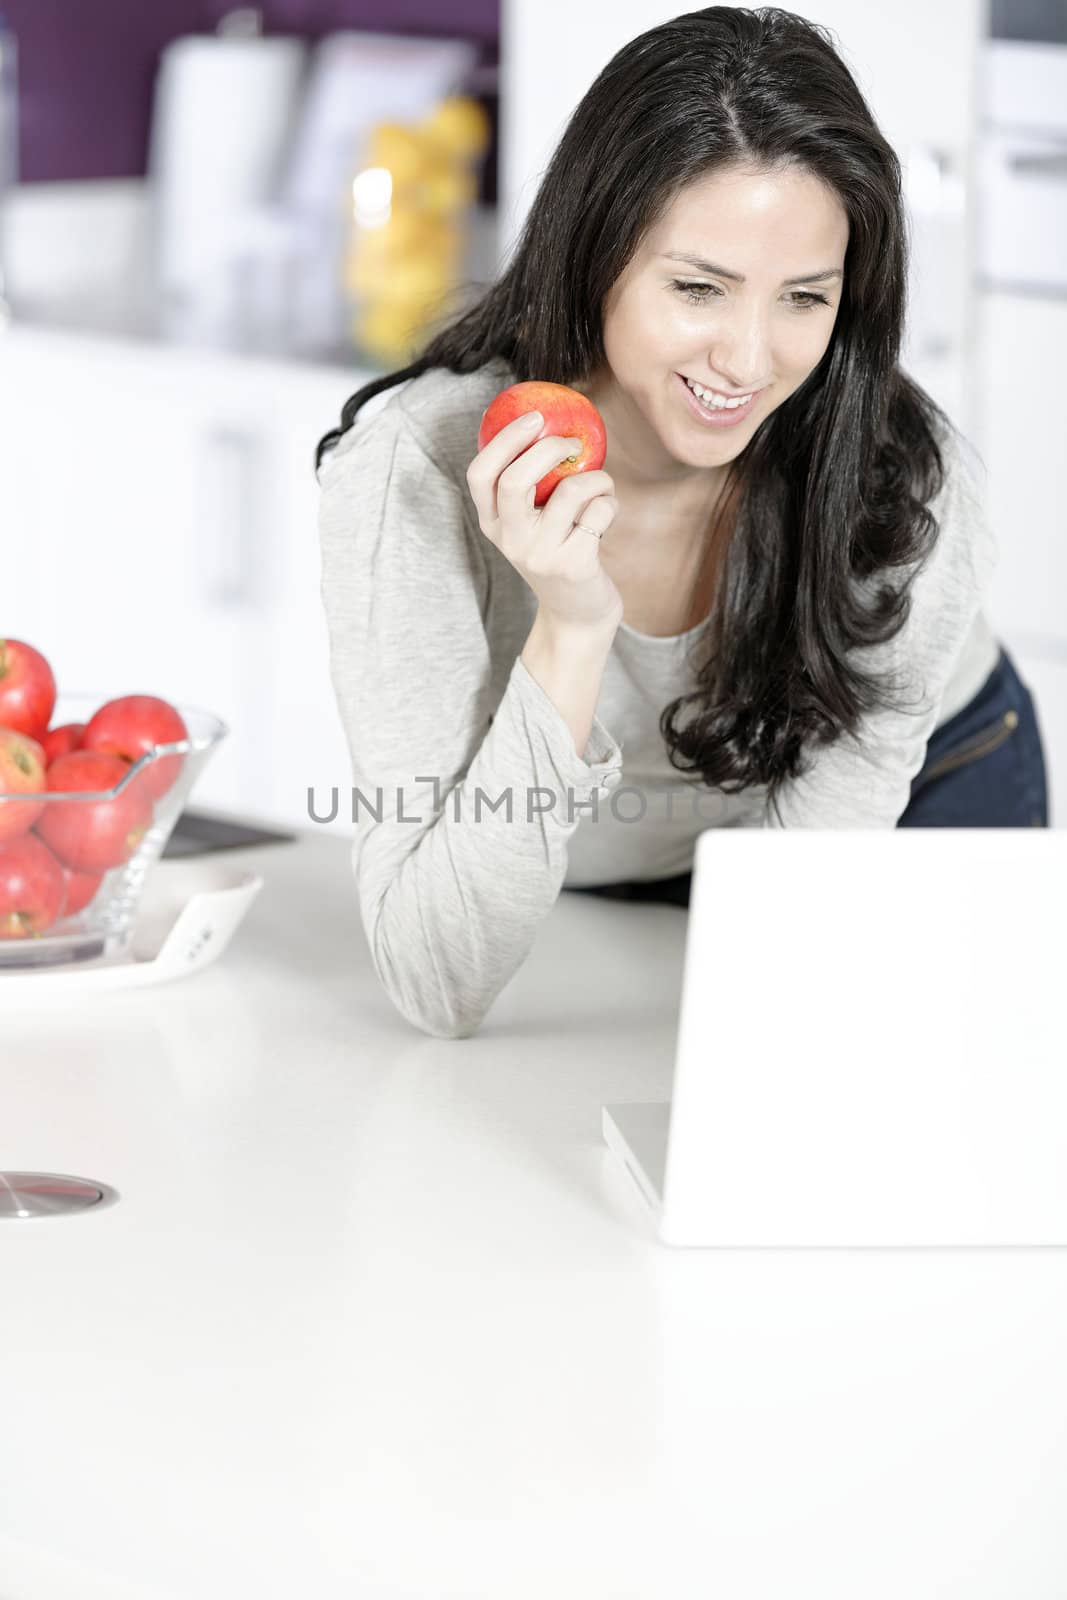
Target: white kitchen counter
<point x="377" y="1316"/>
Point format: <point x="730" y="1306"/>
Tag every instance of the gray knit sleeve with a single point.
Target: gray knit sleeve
<point x="463" y="807"/>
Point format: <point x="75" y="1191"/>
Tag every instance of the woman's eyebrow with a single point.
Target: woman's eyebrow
<point x="724" y="272"/>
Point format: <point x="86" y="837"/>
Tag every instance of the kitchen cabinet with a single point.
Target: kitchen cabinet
<point x="160" y="515"/>
<point x="1020" y="437"/>
<point x="1023" y="345"/>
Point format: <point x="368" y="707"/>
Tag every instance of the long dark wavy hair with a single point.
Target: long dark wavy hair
<point x="832" y="488"/>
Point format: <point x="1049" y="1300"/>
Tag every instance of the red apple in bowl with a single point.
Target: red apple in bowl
<point x="22" y="772"/>
<point x="92" y="835"/>
<point x="133" y="725"/>
<point x="81" y="886"/>
<point x="567" y="414"/>
<point x="27" y="688"/>
<point x="62" y="740"/>
<point x="32" y="888"/>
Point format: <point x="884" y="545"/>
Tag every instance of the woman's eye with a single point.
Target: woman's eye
<point x="803" y="299"/>
<point x="688" y="289"/>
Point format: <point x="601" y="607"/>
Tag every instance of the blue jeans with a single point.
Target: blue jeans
<point x="984" y="768"/>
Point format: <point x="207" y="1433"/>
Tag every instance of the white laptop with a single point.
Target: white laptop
<point x="872" y="1044"/>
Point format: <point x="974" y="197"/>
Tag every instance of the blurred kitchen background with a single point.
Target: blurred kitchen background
<point x="216" y="223"/>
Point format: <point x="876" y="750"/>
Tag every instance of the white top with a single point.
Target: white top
<point x="427" y="620"/>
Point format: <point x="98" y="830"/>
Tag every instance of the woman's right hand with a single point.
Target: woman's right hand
<point x="560" y="562"/>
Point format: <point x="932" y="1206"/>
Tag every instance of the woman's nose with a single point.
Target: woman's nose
<point x="742" y="353"/>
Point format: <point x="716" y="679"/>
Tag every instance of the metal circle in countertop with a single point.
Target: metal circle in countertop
<point x="50" y="1194"/>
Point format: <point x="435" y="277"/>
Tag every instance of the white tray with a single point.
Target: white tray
<point x="188" y="915"/>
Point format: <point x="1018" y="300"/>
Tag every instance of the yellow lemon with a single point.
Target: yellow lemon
<point x="363" y="277"/>
<point x="409" y="231"/>
<point x="447" y="188"/>
<point x="401" y="149"/>
<point x="375" y="255"/>
<point x="460" y="126"/>
<point x="422" y="277"/>
<point x="390" y="330"/>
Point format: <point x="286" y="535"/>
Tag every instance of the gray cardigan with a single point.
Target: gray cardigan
<point x="471" y="808"/>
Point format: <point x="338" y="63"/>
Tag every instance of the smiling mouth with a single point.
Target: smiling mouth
<point x="720" y="416"/>
<point x="720" y="394"/>
<point x="723" y="394"/>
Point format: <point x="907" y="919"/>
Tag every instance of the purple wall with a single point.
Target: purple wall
<point x="87" y="71"/>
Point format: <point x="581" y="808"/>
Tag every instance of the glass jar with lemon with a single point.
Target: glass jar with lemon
<point x="411" y="201"/>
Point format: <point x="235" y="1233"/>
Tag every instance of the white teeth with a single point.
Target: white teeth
<point x="713" y="401"/>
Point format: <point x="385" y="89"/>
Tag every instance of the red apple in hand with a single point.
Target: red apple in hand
<point x="131" y="726"/>
<point x="32" y="888"/>
<point x="62" y="740"/>
<point x="92" y="835"/>
<point x="27" y="688"/>
<point x="567" y="414"/>
<point x="22" y="771"/>
<point x="81" y="886"/>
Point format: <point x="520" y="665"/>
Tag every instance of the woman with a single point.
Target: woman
<point x="775" y="609"/>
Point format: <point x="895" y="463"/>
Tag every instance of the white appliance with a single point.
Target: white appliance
<point x="222" y="119"/>
<point x="1022" y="167"/>
<point x="1021" y="276"/>
<point x="871" y="1044"/>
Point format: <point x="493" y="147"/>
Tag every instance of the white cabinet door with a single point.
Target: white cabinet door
<point x="95" y="477"/>
<point x="1021" y="438"/>
<point x="110" y="570"/>
<point x="1023" y="352"/>
<point x="251" y="574"/>
<point x="294" y="710"/>
<point x="159" y="514"/>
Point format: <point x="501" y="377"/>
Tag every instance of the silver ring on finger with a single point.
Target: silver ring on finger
<point x="586" y="529"/>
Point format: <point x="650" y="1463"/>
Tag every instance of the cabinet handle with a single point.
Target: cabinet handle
<point x="936" y="198"/>
<point x="1040" y="164"/>
<point x="231" y="575"/>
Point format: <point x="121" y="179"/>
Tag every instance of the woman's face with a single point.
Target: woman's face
<point x="737" y="324"/>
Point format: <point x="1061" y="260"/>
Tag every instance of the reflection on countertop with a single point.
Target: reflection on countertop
<point x="198" y="833"/>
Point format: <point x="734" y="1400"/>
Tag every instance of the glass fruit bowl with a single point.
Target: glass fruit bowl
<point x="73" y="864"/>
